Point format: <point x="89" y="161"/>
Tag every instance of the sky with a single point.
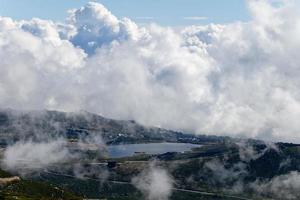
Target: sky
<point x="163" y="12"/>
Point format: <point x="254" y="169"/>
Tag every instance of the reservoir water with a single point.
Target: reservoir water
<point x="124" y="150"/>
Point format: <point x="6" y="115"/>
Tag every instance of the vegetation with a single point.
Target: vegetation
<point x="33" y="190"/>
<point x="213" y="169"/>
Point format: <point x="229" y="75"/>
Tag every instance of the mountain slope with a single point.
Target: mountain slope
<point x="15" y="125"/>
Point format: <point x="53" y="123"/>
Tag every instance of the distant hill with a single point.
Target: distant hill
<point x="15" y="125"/>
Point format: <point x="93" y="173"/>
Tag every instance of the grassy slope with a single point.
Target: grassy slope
<point x="33" y="190"/>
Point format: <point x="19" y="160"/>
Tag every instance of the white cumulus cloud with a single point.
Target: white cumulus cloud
<point x="238" y="79"/>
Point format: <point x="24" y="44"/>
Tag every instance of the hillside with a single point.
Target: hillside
<point x="15" y="125"/>
<point x="33" y="190"/>
<point x="220" y="168"/>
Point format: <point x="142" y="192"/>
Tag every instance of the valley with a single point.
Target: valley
<point x="106" y="156"/>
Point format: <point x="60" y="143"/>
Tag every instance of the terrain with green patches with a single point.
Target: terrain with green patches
<point x="216" y="170"/>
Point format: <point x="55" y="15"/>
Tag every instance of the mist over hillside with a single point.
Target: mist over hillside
<point x="58" y="146"/>
<point x="45" y="125"/>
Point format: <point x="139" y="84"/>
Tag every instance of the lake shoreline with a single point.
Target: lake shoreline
<point x="128" y="150"/>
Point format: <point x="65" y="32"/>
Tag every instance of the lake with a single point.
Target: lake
<point x="125" y="150"/>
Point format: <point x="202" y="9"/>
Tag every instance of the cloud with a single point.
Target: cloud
<point x="96" y="26"/>
<point x="237" y="176"/>
<point x="282" y="187"/>
<point x="154" y="182"/>
<point x="238" y="79"/>
<point x="26" y="156"/>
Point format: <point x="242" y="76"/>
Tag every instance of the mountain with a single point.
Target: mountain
<point x="16" y="125"/>
<point x="220" y="168"/>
